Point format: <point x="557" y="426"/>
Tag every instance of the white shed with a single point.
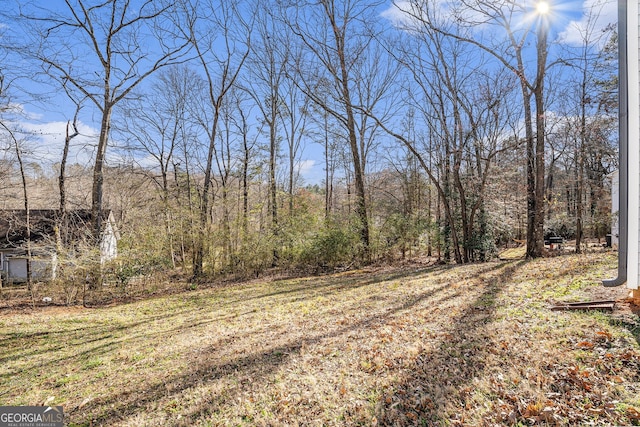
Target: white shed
<point x="43" y="225"/>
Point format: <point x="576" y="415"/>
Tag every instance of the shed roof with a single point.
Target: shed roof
<point x="13" y="229"/>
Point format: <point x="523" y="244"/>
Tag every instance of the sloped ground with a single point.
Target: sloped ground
<point x="472" y="345"/>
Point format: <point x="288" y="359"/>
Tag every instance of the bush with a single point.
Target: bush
<point x="400" y="233"/>
<point x="256" y="255"/>
<point x="333" y="245"/>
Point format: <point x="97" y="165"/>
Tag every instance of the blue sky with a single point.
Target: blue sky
<point x="47" y="120"/>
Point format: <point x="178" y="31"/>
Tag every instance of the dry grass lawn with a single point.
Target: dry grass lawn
<point x="434" y="345"/>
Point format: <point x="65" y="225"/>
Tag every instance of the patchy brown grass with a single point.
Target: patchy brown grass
<point x="472" y="345"/>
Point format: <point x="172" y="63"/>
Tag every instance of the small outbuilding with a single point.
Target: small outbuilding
<point x="48" y="231"/>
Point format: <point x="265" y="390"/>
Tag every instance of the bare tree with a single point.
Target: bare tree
<point x="18" y="150"/>
<point x="103" y="51"/>
<point x="337" y="36"/>
<point x="221" y="40"/>
<point x="583" y="59"/>
<point x="240" y="121"/>
<point x="227" y="161"/>
<point x="465" y="122"/>
<point x="155" y="125"/>
<point x="8" y="127"/>
<point x="509" y="41"/>
<point x="71" y="132"/>
<point x="265" y="81"/>
<point x="295" y="118"/>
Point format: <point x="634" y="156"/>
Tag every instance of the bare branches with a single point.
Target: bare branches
<point x="98" y="51"/>
<point x="222" y="55"/>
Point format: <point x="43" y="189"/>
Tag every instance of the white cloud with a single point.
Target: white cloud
<point x="306" y="166"/>
<point x="311" y="171"/>
<point x="18" y="110"/>
<point x="397" y="15"/>
<point x="596" y="16"/>
<point x="410" y="15"/>
<point x="47" y="142"/>
<point x="575" y="16"/>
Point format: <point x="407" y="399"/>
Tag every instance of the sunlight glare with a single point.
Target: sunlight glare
<point x="542" y="7"/>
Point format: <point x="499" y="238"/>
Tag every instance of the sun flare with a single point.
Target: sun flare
<point x="543" y="8"/>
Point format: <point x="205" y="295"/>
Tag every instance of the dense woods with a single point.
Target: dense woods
<point x="447" y="132"/>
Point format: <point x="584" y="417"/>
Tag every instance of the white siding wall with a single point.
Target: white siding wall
<point x="17" y="269"/>
<point x="41" y="269"/>
<point x="108" y="245"/>
<point x="633" y="64"/>
<point x="615" y="208"/>
<point x="109" y="241"/>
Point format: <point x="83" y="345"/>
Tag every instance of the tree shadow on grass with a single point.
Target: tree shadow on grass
<point x="208" y="367"/>
<point x="327" y="285"/>
<point x="22" y="345"/>
<point x="95" y="338"/>
<point x="219" y="370"/>
<point x="442" y="379"/>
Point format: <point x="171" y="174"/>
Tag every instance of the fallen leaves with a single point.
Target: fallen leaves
<point x="633" y="413"/>
<point x="361" y="348"/>
<point x="586" y="344"/>
<point x="574" y="393"/>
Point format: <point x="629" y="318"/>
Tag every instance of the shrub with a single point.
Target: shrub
<point x="331" y="246"/>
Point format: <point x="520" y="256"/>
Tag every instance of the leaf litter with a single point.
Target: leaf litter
<point x="472" y="345"/>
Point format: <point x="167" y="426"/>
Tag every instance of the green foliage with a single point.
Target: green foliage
<point x="254" y="255"/>
<point x="147" y="246"/>
<point x="332" y="245"/>
<point x="122" y="271"/>
<point x="401" y="232"/>
<point x="600" y="223"/>
<point x="483" y="241"/>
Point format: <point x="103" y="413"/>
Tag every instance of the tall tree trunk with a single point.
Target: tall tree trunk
<point x="98" y="170"/>
<point x="343" y="77"/>
<point x="198" y="268"/>
<point x="245" y="181"/>
<point x="538" y="93"/>
<point x="61" y="225"/>
<point x="218" y="86"/>
<point x="292" y="160"/>
<point x="580" y="162"/>
<point x="328" y="171"/>
<point x="532" y="250"/>
<point x="27" y="211"/>
<point x="63" y="165"/>
<point x="226" y="228"/>
<point x="167" y="215"/>
<point x="273" y="193"/>
<point x="361" y="201"/>
<point x="579" y="203"/>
